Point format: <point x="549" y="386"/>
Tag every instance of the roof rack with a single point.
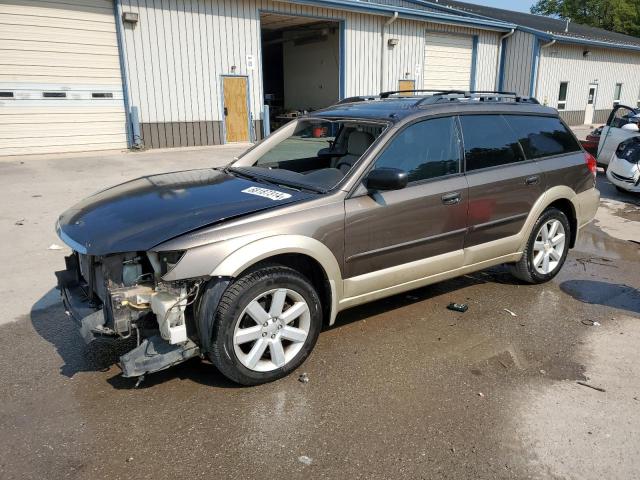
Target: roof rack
<point x="360" y="98"/>
<point x="436" y="92"/>
<point x="441" y="96"/>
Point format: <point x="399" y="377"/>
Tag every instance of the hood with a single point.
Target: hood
<point x="142" y="213"/>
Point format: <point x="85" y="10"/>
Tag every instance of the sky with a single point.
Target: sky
<point x="520" y="5"/>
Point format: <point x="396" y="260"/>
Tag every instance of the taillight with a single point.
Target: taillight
<point x="592" y="165"/>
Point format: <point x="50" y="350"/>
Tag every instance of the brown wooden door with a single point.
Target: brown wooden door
<point x="406" y="85"/>
<point x="236" y="114"/>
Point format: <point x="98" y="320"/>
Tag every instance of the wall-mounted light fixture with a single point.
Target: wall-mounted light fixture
<point x="130" y="17"/>
<point x="392" y="42"/>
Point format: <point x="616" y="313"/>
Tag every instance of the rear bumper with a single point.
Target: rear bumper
<point x="588" y="203"/>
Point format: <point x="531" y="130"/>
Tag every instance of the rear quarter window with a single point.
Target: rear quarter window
<point x="542" y="136"/>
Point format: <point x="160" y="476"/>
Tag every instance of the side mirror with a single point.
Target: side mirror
<point x="386" y="179"/>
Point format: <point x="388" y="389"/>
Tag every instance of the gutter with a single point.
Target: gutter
<point x="383" y="50"/>
<point x="500" y="58"/>
<point x="406" y="13"/>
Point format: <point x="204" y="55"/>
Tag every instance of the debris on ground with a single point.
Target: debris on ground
<point x="543" y="372"/>
<point x="304" y="378"/>
<point x="130" y="459"/>
<point x="55" y="246"/>
<point x="480" y="394"/>
<point x="590" y="323"/>
<point x="37" y="195"/>
<point x="20" y="222"/>
<point x="585" y="384"/>
<point x="304" y="459"/>
<point x="513" y="314"/>
<point x="458" y="307"/>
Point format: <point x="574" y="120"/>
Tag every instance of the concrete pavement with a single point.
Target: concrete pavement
<point x="400" y="388"/>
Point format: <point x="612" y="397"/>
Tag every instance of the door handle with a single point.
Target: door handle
<point x="226" y="111"/>
<point x="532" y="180"/>
<point x="451" y="198"/>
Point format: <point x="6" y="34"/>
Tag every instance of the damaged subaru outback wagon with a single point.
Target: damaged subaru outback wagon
<point x="363" y="200"/>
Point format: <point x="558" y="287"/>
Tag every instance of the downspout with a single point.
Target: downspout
<point x="383" y="52"/>
<point x="500" y="60"/>
<point x="537" y="65"/>
<point x="117" y="12"/>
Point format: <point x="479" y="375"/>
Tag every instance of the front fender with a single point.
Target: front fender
<point x="252" y="253"/>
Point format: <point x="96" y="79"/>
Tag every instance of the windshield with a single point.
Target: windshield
<point x="316" y="154"/>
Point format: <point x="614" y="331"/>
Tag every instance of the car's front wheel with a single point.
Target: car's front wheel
<point x="546" y="250"/>
<point x="266" y="324"/>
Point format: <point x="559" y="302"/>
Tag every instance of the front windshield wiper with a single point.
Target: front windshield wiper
<point x="276" y="181"/>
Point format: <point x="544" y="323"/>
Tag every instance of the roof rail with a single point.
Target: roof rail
<point x="360" y="98"/>
<point x="434" y="92"/>
<point x="477" y="95"/>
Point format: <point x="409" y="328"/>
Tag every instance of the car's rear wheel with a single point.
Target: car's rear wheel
<point x="546" y="250"/>
<point x="266" y="324"/>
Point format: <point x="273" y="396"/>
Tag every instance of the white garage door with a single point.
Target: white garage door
<point x="60" y="83"/>
<point x="448" y="61"/>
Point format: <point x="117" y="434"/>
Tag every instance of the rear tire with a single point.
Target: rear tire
<point x="546" y="249"/>
<point x="266" y="324"/>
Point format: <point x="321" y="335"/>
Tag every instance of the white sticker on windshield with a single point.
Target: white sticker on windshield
<point x="267" y="193"/>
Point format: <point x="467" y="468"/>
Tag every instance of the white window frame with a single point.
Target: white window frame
<point x="562" y="104"/>
<point x="617" y="93"/>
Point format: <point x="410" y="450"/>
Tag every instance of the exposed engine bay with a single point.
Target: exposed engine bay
<point x="121" y="296"/>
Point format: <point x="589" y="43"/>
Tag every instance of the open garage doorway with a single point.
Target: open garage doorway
<point x="301" y="65"/>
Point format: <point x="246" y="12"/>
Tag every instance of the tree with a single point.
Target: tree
<point x="621" y="16"/>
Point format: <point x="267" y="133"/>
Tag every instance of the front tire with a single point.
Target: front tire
<point x="266" y="325"/>
<point x="546" y="250"/>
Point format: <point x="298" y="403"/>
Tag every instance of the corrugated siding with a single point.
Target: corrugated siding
<point x="65" y="46"/>
<point x="177" y="52"/>
<point x="565" y="63"/>
<point x="518" y="64"/>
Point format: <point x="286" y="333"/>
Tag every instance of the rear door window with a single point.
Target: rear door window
<point x="489" y="142"/>
<point x="542" y="136"/>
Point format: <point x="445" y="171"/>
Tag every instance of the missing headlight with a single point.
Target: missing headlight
<point x="163" y="262"/>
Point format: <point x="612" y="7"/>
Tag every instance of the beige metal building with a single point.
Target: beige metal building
<point x="79" y="75"/>
<point x="582" y="71"/>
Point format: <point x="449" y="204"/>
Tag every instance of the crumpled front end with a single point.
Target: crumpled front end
<point x="120" y="296"/>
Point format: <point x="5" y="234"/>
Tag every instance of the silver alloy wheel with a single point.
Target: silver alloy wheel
<point x="548" y="247"/>
<point x="278" y="321"/>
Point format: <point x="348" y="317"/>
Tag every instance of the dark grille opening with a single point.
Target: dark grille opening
<point x="102" y="95"/>
<point x="6" y="94"/>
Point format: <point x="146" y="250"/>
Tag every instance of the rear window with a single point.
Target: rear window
<point x="542" y="136"/>
<point x="489" y="142"/>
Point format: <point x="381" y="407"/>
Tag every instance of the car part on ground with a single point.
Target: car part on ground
<point x="243" y="264"/>
<point x="624" y="169"/>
